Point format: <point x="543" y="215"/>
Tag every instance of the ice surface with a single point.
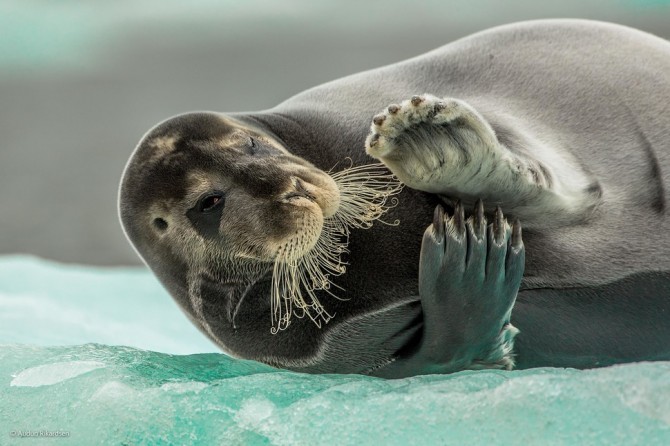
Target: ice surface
<point x="132" y="396"/>
<point x="46" y="303"/>
<point x="104" y="394"/>
<point x="48" y="374"/>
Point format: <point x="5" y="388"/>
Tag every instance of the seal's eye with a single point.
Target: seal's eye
<point x="206" y="215"/>
<point x="250" y="146"/>
<point x="211" y="201"/>
<point x="258" y="147"/>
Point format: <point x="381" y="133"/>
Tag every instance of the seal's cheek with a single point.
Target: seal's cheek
<point x="298" y="220"/>
<point x="259" y="228"/>
<point x="249" y="225"/>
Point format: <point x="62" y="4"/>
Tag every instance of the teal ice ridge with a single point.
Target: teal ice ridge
<point x="95" y="393"/>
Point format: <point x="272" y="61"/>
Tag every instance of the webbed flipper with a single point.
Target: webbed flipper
<point x="469" y="276"/>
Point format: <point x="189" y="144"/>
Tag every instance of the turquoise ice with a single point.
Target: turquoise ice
<point x="120" y="390"/>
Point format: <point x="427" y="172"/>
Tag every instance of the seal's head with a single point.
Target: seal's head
<point x="211" y="201"/>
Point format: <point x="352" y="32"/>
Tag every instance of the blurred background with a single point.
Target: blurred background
<point x="81" y="81"/>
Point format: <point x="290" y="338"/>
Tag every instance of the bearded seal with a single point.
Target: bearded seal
<point x="248" y="218"/>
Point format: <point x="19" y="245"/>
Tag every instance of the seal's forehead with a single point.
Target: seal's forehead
<point x="164" y="163"/>
<point x="162" y="145"/>
<point x="185" y="130"/>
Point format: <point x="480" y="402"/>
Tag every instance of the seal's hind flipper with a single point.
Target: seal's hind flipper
<point x="469" y="276"/>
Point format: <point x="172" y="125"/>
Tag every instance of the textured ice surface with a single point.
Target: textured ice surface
<point x="120" y="395"/>
<point x="103" y="394"/>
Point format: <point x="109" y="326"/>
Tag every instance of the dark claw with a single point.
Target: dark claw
<point x="438" y="222"/>
<point x="374" y="140"/>
<point x="459" y="218"/>
<point x="379" y="119"/>
<point x="479" y="223"/>
<point x="393" y="109"/>
<point x="499" y="225"/>
<point x="517" y="242"/>
<point x="416" y="100"/>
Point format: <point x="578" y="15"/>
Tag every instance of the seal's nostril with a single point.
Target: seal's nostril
<point x="302" y="190"/>
<point x="160" y="224"/>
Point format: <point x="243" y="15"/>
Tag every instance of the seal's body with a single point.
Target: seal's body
<point x="563" y="124"/>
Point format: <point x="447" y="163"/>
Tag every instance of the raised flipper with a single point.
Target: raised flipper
<point x="445" y="146"/>
<point x="469" y="276"/>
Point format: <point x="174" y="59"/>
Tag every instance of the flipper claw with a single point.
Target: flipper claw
<point x="479" y="220"/>
<point x="517" y="241"/>
<point x="499" y="226"/>
<point x="438" y="223"/>
<point x="458" y="219"/>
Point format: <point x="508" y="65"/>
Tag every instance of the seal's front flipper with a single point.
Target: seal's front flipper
<point x="445" y="146"/>
<point x="469" y="276"/>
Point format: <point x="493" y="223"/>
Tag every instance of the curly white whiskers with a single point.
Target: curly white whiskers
<point x="364" y="197"/>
